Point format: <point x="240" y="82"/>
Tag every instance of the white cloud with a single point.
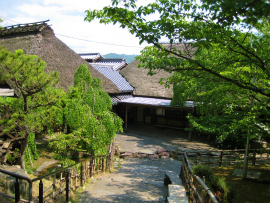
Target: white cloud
<point x="67" y="18"/>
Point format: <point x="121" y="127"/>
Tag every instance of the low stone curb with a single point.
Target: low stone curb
<point x="160" y="154"/>
<point x="176" y="191"/>
<point x="177" y="194"/>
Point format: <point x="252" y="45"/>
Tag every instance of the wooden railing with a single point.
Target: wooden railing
<point x="229" y="157"/>
<point x="196" y="189"/>
<point x="63" y="180"/>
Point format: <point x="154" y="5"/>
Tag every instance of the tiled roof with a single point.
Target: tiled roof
<point x="115" y="77"/>
<point x="154" y="102"/>
<point x="22" y="28"/>
<point x="110" y="60"/>
<point x="91" y="56"/>
<point x="115" y="64"/>
<point x="120" y="97"/>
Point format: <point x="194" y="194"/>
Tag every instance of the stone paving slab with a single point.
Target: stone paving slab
<point x="137" y="180"/>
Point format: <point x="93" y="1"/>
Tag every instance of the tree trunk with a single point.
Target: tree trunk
<point x="25" y="140"/>
<point x="23" y="147"/>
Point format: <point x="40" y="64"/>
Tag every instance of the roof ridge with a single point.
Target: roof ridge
<point x="26" y="24"/>
<point x="27" y="27"/>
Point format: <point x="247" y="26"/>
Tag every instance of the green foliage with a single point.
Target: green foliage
<point x="202" y="170"/>
<point x="220" y="61"/>
<point x="11" y="158"/>
<point x="214" y="182"/>
<point x="33" y="110"/>
<point x="32" y="147"/>
<point x="86" y="111"/>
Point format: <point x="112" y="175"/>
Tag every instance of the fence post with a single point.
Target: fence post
<point x="81" y="174"/>
<point x="91" y="163"/>
<point x="254" y="158"/>
<point x="30" y="191"/>
<point x="208" y="154"/>
<point x="103" y="164"/>
<point x="220" y="159"/>
<point x="112" y="153"/>
<point x="196" y="158"/>
<point x="53" y="193"/>
<point x="86" y="169"/>
<point x="40" y="191"/>
<point x="17" y="191"/>
<point x="67" y="184"/>
<point x="202" y="195"/>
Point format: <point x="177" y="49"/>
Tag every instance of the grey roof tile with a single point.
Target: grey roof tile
<point x="115" y="77"/>
<point x="117" y="98"/>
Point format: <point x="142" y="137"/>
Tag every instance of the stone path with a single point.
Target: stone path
<point x="141" y="180"/>
<point x="136" y="180"/>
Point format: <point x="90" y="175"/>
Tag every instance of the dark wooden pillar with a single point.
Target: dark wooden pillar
<point x="126" y="119"/>
<point x="190" y="130"/>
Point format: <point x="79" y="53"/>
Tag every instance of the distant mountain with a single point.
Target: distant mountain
<point x="129" y="58"/>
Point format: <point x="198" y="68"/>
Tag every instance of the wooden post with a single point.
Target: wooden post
<point x="126" y="119"/>
<point x="81" y="174"/>
<point x="71" y="187"/>
<point x="190" y="133"/>
<point x="67" y="184"/>
<point x="254" y="158"/>
<point x="103" y="164"/>
<point x="53" y="192"/>
<point x="220" y="158"/>
<point x="230" y="158"/>
<point x="208" y="154"/>
<point x="76" y="176"/>
<point x="196" y="158"/>
<point x="202" y="195"/>
<point x="87" y="169"/>
<point x="91" y="171"/>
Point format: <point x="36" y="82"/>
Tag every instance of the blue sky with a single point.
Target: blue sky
<point x="66" y="19"/>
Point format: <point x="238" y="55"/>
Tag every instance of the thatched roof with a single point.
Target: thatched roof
<point x="146" y="85"/>
<point x="149" y="86"/>
<point x="39" y="39"/>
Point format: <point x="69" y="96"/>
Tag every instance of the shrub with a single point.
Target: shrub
<point x="202" y="170"/>
<point x="215" y="183"/>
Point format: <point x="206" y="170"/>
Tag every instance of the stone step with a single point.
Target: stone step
<point x="173" y="178"/>
<point x="177" y="194"/>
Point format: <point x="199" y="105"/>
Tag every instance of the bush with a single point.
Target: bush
<point x="202" y="170"/>
<point x="215" y="183"/>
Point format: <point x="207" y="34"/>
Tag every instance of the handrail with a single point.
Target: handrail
<point x="16" y="175"/>
<point x="17" y="185"/>
<point x="62" y="169"/>
<point x="189" y="182"/>
<point x="67" y="178"/>
<point x="223" y="156"/>
<point x="206" y="189"/>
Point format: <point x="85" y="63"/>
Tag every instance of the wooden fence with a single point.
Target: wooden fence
<point x="196" y="189"/>
<point x="63" y="180"/>
<point x="229" y="157"/>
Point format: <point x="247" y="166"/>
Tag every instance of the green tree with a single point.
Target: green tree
<point x="223" y="48"/>
<point x="222" y="65"/>
<point x="36" y="91"/>
<point x="87" y="113"/>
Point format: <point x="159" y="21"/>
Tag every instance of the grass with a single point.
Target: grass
<point x="248" y="191"/>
